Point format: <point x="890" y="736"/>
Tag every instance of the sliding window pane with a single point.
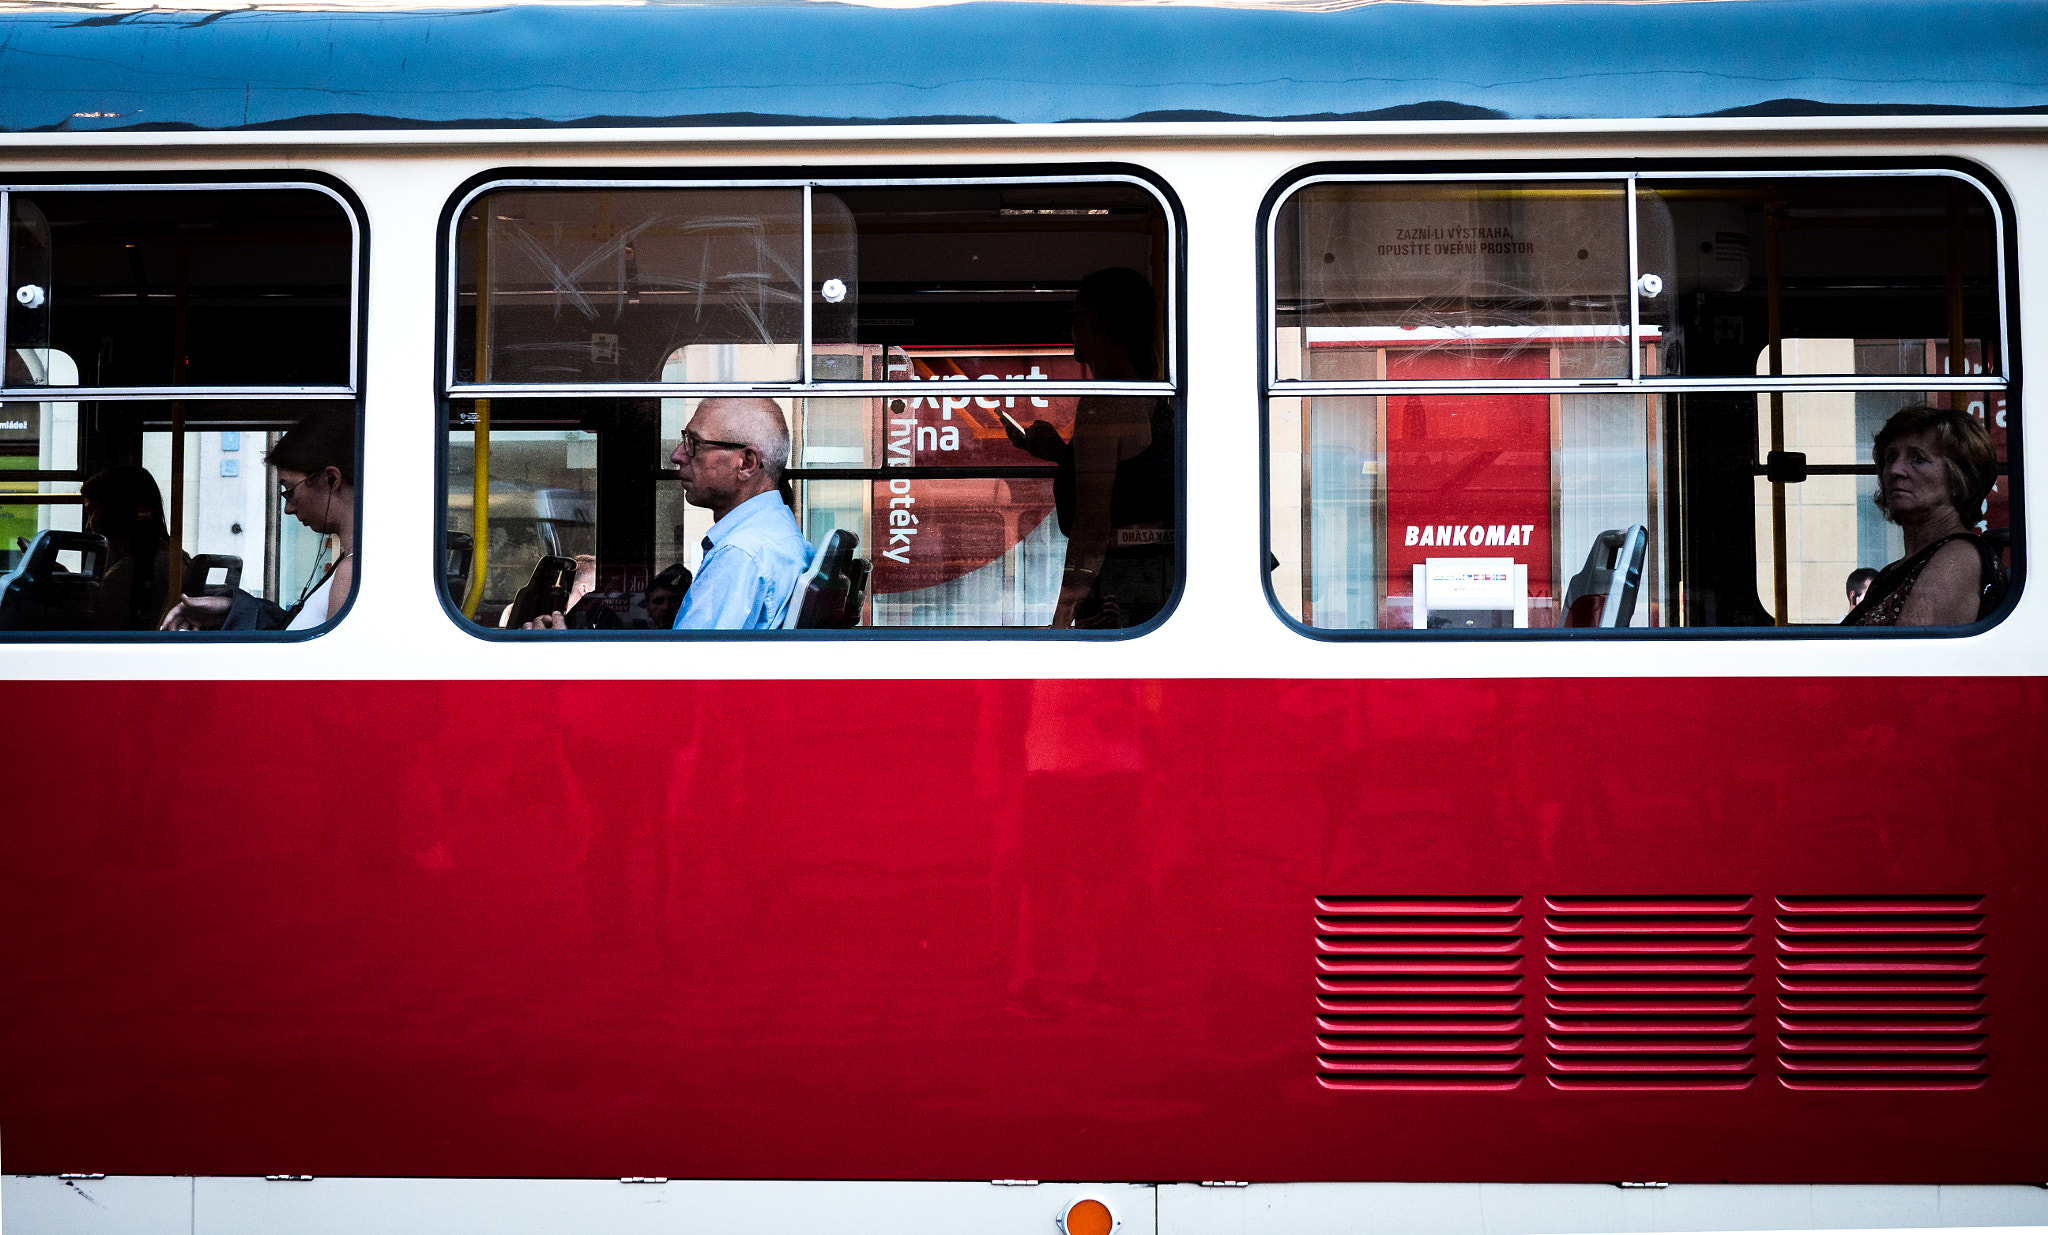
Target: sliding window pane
<point x="173" y="287"/>
<point x="1453" y="281"/>
<point x="1905" y="265"/>
<point x="992" y="270"/>
<point x="635" y="285"/>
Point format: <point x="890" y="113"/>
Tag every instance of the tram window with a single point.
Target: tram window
<point x="1044" y="495"/>
<point x="1459" y="440"/>
<point x="149" y="336"/>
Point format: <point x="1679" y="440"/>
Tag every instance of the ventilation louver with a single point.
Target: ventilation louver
<point x="1419" y="992"/>
<point x="1882" y="992"/>
<point x="1649" y="992"/>
<point x="1879" y="992"/>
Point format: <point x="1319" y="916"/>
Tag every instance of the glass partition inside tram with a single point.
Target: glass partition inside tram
<point x="1639" y="401"/>
<point x="971" y="385"/>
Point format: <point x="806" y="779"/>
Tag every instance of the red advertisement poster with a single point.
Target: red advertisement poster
<point x="1467" y="476"/>
<point x="933" y="531"/>
<point x="936" y="531"/>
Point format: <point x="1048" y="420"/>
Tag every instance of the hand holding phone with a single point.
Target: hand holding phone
<point x="1040" y="440"/>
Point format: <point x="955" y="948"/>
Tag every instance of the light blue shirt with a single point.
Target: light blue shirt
<point x="752" y="560"/>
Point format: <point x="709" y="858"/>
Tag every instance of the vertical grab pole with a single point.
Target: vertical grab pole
<point x="804" y="348"/>
<point x="480" y="472"/>
<point x="799" y="408"/>
<point x="1781" y="588"/>
<point x="1635" y="274"/>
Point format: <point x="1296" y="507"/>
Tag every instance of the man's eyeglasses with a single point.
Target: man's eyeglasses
<point x="694" y="445"/>
<point x="285" y="491"/>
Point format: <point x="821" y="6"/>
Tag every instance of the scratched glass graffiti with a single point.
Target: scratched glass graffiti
<point x="606" y="285"/>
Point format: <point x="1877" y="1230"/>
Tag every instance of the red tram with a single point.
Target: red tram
<point x="1352" y="734"/>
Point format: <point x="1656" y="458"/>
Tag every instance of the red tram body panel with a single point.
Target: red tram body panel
<point x="1012" y="928"/>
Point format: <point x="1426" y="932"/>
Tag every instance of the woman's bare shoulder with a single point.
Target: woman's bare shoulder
<point x="1945" y="594"/>
<point x="1958" y="556"/>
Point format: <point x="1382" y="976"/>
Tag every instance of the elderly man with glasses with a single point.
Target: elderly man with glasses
<point x="730" y="462"/>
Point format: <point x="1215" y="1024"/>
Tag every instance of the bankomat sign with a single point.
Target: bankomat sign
<point x="1478" y="534"/>
<point x="1468" y="473"/>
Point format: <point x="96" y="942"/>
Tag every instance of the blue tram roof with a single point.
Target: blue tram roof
<point x="78" y="68"/>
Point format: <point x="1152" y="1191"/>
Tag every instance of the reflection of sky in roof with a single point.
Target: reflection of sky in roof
<point x="1014" y="62"/>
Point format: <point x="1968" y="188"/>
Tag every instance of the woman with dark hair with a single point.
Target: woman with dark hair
<point x="1114" y="490"/>
<point x="1934" y="468"/>
<point x="316" y="477"/>
<point x="125" y="505"/>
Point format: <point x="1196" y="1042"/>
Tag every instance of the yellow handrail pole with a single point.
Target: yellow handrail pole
<point x="480" y="474"/>
<point x="1781" y="589"/>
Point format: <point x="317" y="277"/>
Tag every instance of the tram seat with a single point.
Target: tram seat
<point x="858" y="574"/>
<point x="39" y="594"/>
<point x="547" y="591"/>
<point x="1604" y="592"/>
<point x="828" y="595"/>
<point x="202" y="566"/>
<point x="455" y="568"/>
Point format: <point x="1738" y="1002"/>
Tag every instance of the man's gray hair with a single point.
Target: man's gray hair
<point x="774" y="451"/>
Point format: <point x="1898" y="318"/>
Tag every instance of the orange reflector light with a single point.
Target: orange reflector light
<point x="1088" y="1216"/>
